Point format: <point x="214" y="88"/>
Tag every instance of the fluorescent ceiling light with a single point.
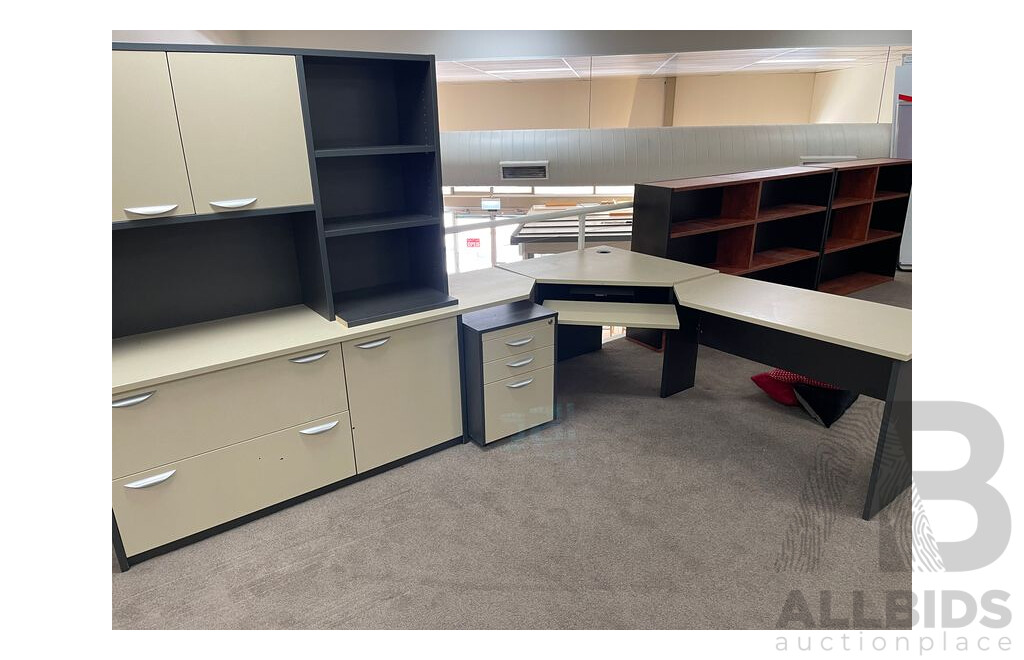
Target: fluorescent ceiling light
<point x="808" y="61"/>
<point x="528" y="70"/>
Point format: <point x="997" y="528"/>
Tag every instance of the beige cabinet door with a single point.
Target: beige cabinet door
<point x="241" y="125"/>
<point x="403" y="391"/>
<point x="149" y="177"/>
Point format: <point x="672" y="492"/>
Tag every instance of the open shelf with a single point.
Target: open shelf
<point x="837" y="243"/>
<point x="847" y="284"/>
<point x="361" y="224"/>
<point x="885" y="195"/>
<point x="385" y="150"/>
<point x="705" y="225"/>
<point x="384" y="302"/>
<point x="782" y="211"/>
<point x="844" y="202"/>
<point x="779" y="257"/>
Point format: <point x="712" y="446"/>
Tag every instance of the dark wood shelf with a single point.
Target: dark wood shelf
<point x="848" y="284"/>
<point x="385" y="150"/>
<point x="706" y="225"/>
<point x="386" y="302"/>
<point x="843" y="202"/>
<point x="787" y="211"/>
<point x="886" y="195"/>
<point x="362" y="224"/>
<point x="779" y="257"/>
<point x="836" y="244"/>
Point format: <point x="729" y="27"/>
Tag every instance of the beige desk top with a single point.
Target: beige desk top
<point x="866" y="326"/>
<point x="605" y="265"/>
<point x="155" y="357"/>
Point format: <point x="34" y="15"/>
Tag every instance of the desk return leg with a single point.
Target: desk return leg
<point x="576" y="340"/>
<point x="679" y="359"/>
<point x="891" y="472"/>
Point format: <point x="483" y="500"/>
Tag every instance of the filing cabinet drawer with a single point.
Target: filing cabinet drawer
<point x="518" y="364"/>
<point x="158" y="506"/>
<point x="406" y="391"/>
<point x="518" y="403"/>
<point x="175" y="420"/>
<point x="524" y="338"/>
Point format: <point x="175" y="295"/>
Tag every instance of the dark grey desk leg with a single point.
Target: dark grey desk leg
<point x="892" y="470"/>
<point x="576" y="340"/>
<point x="679" y="359"/>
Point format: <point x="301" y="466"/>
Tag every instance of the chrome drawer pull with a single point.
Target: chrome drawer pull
<point x="522" y="383"/>
<point x="234" y="203"/>
<point x="314" y="430"/>
<point x="151" y="210"/>
<point x="519" y="342"/>
<point x="151" y="481"/>
<point x="306" y="359"/>
<point x="521" y="363"/>
<point x="132" y="400"/>
<point x="374" y="344"/>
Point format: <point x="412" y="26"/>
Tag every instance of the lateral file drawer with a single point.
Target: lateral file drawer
<point x="519" y="403"/>
<point x="173" y="501"/>
<point x="405" y="390"/>
<point x="183" y="418"/>
<point x="514" y="365"/>
<point x="526" y="337"/>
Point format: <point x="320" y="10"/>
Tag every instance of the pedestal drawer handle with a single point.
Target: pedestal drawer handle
<point x="234" y="203"/>
<point x="521" y="363"/>
<point x="132" y="400"/>
<point x="151" y="481"/>
<point x="522" y="383"/>
<point x="151" y="210"/>
<point x="314" y="430"/>
<point x="374" y="344"/>
<point x="306" y="359"/>
<point x="519" y="342"/>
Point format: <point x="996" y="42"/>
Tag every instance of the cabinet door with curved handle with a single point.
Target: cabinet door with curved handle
<point x="148" y="165"/>
<point x="241" y="126"/>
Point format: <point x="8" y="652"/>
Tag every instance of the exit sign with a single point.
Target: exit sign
<point x="472" y="242"/>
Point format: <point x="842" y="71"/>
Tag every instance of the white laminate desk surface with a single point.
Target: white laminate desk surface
<point x="631" y="315"/>
<point x="605" y="265"/>
<point x="155" y="357"/>
<point x="866" y="326"/>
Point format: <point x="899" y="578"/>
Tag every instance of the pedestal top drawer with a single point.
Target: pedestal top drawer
<point x="518" y="339"/>
<point x="183" y="418"/>
<point x="158" y="506"/>
<point x="515" y="365"/>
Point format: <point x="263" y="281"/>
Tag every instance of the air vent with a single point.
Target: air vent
<point x="519" y="170"/>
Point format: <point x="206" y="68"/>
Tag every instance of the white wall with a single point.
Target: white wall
<point x="743" y="99"/>
<point x="855" y="95"/>
<point x="179" y="36"/>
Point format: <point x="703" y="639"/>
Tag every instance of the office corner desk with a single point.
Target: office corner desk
<point x="610" y="286"/>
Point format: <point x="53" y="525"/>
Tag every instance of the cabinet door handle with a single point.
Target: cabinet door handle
<point x="374" y="344"/>
<point x="151" y="481"/>
<point x="314" y="430"/>
<point x="519" y="342"/>
<point x="151" y="210"/>
<point x="132" y="400"/>
<point x="306" y="359"/>
<point x="522" y="383"/>
<point x="234" y="203"/>
<point x="521" y="363"/>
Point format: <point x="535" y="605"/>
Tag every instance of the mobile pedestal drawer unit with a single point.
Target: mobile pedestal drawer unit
<point x="510" y="369"/>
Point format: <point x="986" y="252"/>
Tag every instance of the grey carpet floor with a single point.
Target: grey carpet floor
<point x="704" y="510"/>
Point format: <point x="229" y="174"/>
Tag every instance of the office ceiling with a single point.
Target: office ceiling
<point x="768" y="60"/>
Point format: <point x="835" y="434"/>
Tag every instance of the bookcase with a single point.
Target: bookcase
<point x="372" y="135"/>
<point x="833" y="227"/>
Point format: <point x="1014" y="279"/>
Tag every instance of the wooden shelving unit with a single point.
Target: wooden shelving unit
<point x="372" y="132"/>
<point x="834" y="227"/>
<point x="863" y="241"/>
